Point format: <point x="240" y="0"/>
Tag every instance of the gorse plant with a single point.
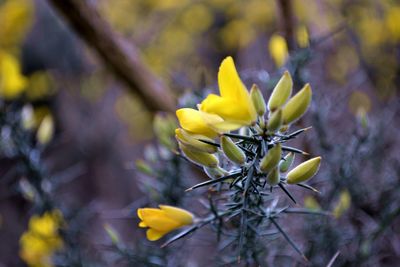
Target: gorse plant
<point x="42" y="239"/>
<point x="245" y="167"/>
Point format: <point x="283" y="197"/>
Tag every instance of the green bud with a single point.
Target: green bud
<point x="214" y="173"/>
<point x="143" y="167"/>
<point x="198" y="157"/>
<point x="284" y="128"/>
<point x="343" y="205"/>
<point x="304" y="171"/>
<point x="27" y="117"/>
<point x="164" y="125"/>
<point x="271" y="160"/>
<point x="285" y="164"/>
<point x="262" y="123"/>
<point x="112" y="233"/>
<point x="273" y="177"/>
<point x="232" y="151"/>
<point x="27" y="189"/>
<point x="275" y="121"/>
<point x="192" y="141"/>
<point x="297" y="105"/>
<point x="281" y="92"/>
<point x="45" y="131"/>
<point x="258" y="100"/>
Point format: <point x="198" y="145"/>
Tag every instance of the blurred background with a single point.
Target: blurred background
<point x="88" y="91"/>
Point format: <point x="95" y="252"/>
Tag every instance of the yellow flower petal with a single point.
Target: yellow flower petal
<point x="164" y="220"/>
<point x="192" y="141"/>
<point x="234" y="105"/>
<point x="226" y="108"/>
<point x="154" y="235"/>
<point x="278" y="49"/>
<point x="12" y="82"/>
<point x="143" y="225"/>
<point x="158" y="219"/>
<point x="192" y="121"/>
<point x="218" y="124"/>
<point x="178" y="214"/>
<point x="230" y="85"/>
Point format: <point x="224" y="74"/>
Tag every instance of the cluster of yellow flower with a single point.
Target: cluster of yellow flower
<point x="42" y="240"/>
<point x="237" y="109"/>
<point x="15" y="19"/>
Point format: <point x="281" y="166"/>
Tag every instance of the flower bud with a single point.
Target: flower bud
<point x="112" y="233"/>
<point x="311" y="203"/>
<point x="258" y="100"/>
<point x="143" y="167"/>
<point x="273" y="177"/>
<point x="271" y="160"/>
<point x="27" y="117"/>
<point x="297" y="105"/>
<point x="343" y="205"/>
<point x="232" y="151"/>
<point x="304" y="171"/>
<point x="275" y="121"/>
<point x="284" y="128"/>
<point x="45" y="131"/>
<point x="198" y="157"/>
<point x="214" y="173"/>
<point x="285" y="164"/>
<point x="164" y="125"/>
<point x="281" y="92"/>
<point x="278" y="49"/>
<point x="192" y="141"/>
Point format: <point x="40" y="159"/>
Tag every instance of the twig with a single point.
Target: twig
<point x="122" y="57"/>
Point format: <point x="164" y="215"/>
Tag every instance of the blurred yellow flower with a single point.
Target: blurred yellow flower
<point x="278" y="49"/>
<point x="15" y="19"/>
<point x="196" y="13"/>
<point x="359" y="102"/>
<point x="47" y="224"/>
<point x="302" y="36"/>
<point x="41" y="240"/>
<point x="234" y="108"/>
<point x="163" y="220"/>
<point x="45" y="131"/>
<point x="40" y="85"/>
<point x="167" y="4"/>
<point x="12" y="82"/>
<point x="311" y="203"/>
<point x="192" y="121"/>
<point x="343" y="204"/>
<point x="392" y="21"/>
<point x="164" y="125"/>
<point x="237" y="34"/>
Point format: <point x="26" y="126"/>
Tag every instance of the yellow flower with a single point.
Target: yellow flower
<point x="191" y="120"/>
<point x="343" y="204"/>
<point x="15" y="20"/>
<point x="234" y="107"/>
<point x="46" y="225"/>
<point x="278" y="50"/>
<point x="302" y="36"/>
<point x="35" y="251"/>
<point x="12" y="82"/>
<point x="45" y="131"/>
<point x="311" y="203"/>
<point x="163" y="220"/>
<point x="42" y="239"/>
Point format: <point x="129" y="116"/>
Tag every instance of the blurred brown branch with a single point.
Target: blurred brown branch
<point x="122" y="57"/>
<point x="287" y="22"/>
